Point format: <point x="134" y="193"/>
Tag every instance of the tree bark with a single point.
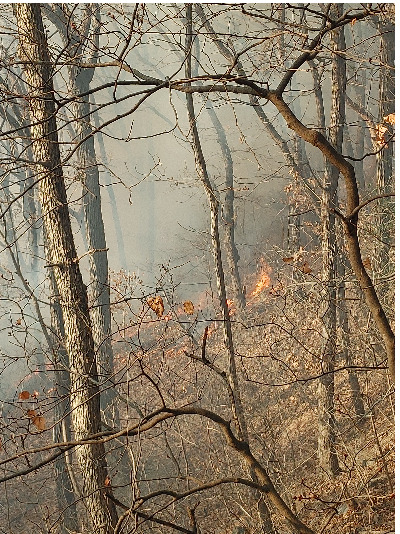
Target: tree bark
<point x="99" y="295"/>
<point x="88" y="174"/>
<point x="385" y="157"/>
<point x="326" y="437"/>
<point x="232" y="255"/>
<point x="350" y="221"/>
<point x="228" y="208"/>
<point x="62" y="426"/>
<point x="79" y="343"/>
<point x="77" y="41"/>
<point x="338" y="45"/>
<point x="214" y="231"/>
<point x="237" y="407"/>
<point x="111" y="196"/>
<point x="360" y="141"/>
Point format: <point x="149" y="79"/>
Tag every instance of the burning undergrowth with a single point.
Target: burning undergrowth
<point x="178" y="357"/>
<point x="172" y="352"/>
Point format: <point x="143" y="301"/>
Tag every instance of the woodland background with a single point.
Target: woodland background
<point x="197" y="268"/>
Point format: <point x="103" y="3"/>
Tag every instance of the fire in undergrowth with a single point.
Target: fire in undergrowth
<point x="231" y="306"/>
<point x="262" y="284"/>
<point x="264" y="280"/>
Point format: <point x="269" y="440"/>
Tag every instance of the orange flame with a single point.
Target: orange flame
<point x="262" y="284"/>
<point x="231" y="306"/>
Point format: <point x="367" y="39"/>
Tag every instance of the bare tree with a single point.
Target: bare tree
<point x="85" y="38"/>
<point x="61" y="251"/>
<point x="385" y="179"/>
<point x="218" y="407"/>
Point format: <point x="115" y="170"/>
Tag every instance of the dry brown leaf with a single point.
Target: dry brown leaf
<point x="107" y="481"/>
<point x="157" y="305"/>
<point x="39" y="422"/>
<point x="188" y="307"/>
<point x="367" y="264"/>
<point x="390" y="118"/>
<point x="18" y="321"/>
<point x="305" y="268"/>
<point x="353" y="21"/>
<point x="288" y="260"/>
<point x="24" y="395"/>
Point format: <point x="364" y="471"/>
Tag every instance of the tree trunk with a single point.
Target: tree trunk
<point x="346" y="344"/>
<point x="79" y="343"/>
<point x="232" y="255"/>
<point x="385" y="157"/>
<point x="214" y="231"/>
<point x="111" y="196"/>
<point x="78" y="42"/>
<point x="342" y="264"/>
<point x="326" y="436"/>
<point x="237" y="407"/>
<point x="99" y="294"/>
<point x="30" y="215"/>
<point x="62" y="426"/>
<point x="299" y="155"/>
<point x="360" y="90"/>
<point x="228" y="208"/>
<point x="99" y="289"/>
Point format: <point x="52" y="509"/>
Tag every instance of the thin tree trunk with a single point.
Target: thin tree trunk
<point x="85" y="403"/>
<point x="360" y="90"/>
<point x="326" y="436"/>
<point x="294" y="222"/>
<point x="214" y="230"/>
<point x="232" y="255"/>
<point x="30" y="215"/>
<point x="326" y="432"/>
<point x="228" y="208"/>
<point x="99" y="295"/>
<point x="111" y="195"/>
<point x="346" y="343"/>
<point x="237" y="407"/>
<point x="385" y="157"/>
<point x="341" y="261"/>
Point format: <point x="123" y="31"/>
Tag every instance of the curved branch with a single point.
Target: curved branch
<point x="316" y="139"/>
<point x="366" y="202"/>
<point x="134" y="508"/>
<point x="312" y="49"/>
<point x="240" y="446"/>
